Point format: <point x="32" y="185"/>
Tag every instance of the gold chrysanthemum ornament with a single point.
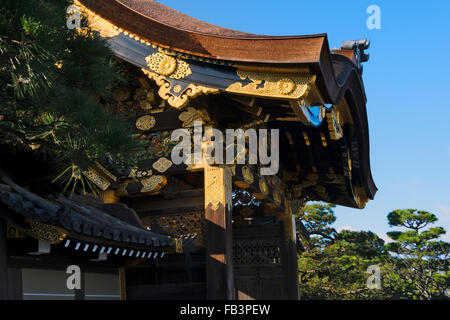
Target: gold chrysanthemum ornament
<point x="167" y="65"/>
<point x="285" y="86"/>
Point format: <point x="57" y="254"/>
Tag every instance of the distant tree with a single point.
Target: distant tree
<point x="55" y="87"/>
<point x="334" y="265"/>
<point x="317" y="218"/>
<point x="419" y="265"/>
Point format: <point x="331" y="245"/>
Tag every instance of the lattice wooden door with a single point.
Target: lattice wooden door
<point x="259" y="256"/>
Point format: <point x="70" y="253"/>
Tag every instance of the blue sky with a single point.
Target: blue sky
<point x="407" y="81"/>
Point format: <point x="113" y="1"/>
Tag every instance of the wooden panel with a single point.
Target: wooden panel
<point x="178" y="291"/>
<point x="272" y="289"/>
<point x="261" y="269"/>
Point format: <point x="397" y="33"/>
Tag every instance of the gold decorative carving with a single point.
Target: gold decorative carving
<point x="241" y="184"/>
<point x="14" y="233"/>
<point x="97" y="23"/>
<point x="324" y="139"/>
<point x="162" y="165"/>
<point x="189" y="225"/>
<point x="277" y="197"/>
<point x="153" y="183"/>
<point x="259" y="196"/>
<point x="137" y="174"/>
<point x="180" y="101"/>
<point x="97" y="179"/>
<point x="178" y="245"/>
<point x="168" y="66"/>
<point x="334" y="121"/>
<point x="145" y="97"/>
<point x="217" y="186"/>
<point x="104" y="172"/>
<point x="277" y="85"/>
<point x="361" y="198"/>
<point x="46" y="232"/>
<point x="285" y="86"/>
<point x="247" y="174"/>
<point x="189" y="116"/>
<point x="263" y="187"/>
<point x="306" y="137"/>
<point x="145" y="122"/>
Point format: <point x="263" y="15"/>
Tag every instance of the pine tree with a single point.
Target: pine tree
<point x="419" y="265"/>
<point x="55" y="87"/>
<point x="335" y="264"/>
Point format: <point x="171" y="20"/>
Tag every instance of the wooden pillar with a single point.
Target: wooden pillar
<point x="10" y="278"/>
<point x="292" y="284"/>
<point x="3" y="262"/>
<point x="15" y="285"/>
<point x="218" y="233"/>
<point x="122" y="283"/>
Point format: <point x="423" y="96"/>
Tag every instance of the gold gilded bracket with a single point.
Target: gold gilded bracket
<point x="46" y="232"/>
<point x="334" y="121"/>
<point x="273" y="85"/>
<point x="167" y="65"/>
<point x="218" y="188"/>
<point x="182" y="99"/>
<point x="178" y="245"/>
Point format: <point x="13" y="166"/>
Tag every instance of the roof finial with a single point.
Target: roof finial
<point x="358" y="46"/>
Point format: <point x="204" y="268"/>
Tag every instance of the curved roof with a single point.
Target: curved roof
<point x="337" y="74"/>
<point x="349" y="84"/>
<point x="173" y="30"/>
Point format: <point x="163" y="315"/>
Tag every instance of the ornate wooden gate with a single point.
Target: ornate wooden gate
<point x="260" y="262"/>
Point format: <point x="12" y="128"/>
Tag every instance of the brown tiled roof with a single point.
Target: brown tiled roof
<point x="171" y="29"/>
<point x="171" y="17"/>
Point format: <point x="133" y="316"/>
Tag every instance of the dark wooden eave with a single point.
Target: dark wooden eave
<point x="83" y="222"/>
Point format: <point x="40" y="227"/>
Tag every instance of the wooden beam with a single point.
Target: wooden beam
<point x="122" y="283"/>
<point x="218" y="233"/>
<point x="185" y="201"/>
